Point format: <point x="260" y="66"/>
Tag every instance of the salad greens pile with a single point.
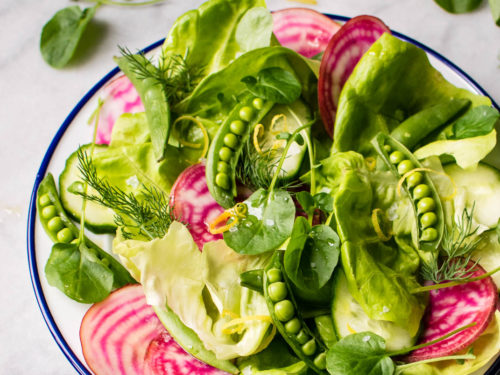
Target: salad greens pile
<point x="325" y="249"/>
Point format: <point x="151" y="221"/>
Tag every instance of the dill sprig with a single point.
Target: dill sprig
<point x="148" y="216"/>
<point x="256" y="170"/>
<point x="176" y="76"/>
<point x="457" y="247"/>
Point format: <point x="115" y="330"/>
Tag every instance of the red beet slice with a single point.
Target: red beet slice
<point x="165" y="357"/>
<point x="452" y="308"/>
<point x="341" y="56"/>
<point x="119" y="97"/>
<point x="194" y="204"/>
<point x="303" y="30"/>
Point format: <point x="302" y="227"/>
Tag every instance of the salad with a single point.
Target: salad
<point x="284" y="195"/>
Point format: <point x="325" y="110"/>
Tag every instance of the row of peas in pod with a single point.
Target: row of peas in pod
<point x="419" y="187"/>
<point x="284" y="313"/>
<point x="227" y="145"/>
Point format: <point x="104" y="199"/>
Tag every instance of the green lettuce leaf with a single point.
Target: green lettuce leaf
<point x="201" y="288"/>
<point x="392" y="81"/>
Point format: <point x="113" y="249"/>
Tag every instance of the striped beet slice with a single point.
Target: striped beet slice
<point x="343" y="52"/>
<point x="165" y="357"/>
<point x="303" y="30"/>
<point x="194" y="204"/>
<point x="119" y="96"/>
<point x="455" y="307"/>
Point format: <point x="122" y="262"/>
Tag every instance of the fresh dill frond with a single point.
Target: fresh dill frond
<point x="147" y="215"/>
<point x="173" y="73"/>
<point x="256" y="170"/>
<point x="457" y="247"/>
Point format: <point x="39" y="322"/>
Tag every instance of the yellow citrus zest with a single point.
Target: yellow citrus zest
<point x="238" y="325"/>
<point x="221" y="223"/>
<point x="376" y="225"/>
<point x="206" y="139"/>
<point x="258" y="132"/>
<point x="370" y="162"/>
<point x="409" y="173"/>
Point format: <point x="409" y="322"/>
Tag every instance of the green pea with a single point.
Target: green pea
<point x="320" y="361"/>
<point x="237" y="127"/>
<point x="277" y="291"/>
<point x="230" y="140"/>
<point x="429" y="234"/>
<point x="246" y="113"/>
<point x="425" y="205"/>
<point x="222" y="180"/>
<point x="405" y="166"/>
<point x="258" y="103"/>
<point x="225" y="153"/>
<point x="49" y="212"/>
<point x="396" y="157"/>
<point x="387" y="148"/>
<point x="284" y="310"/>
<point x="421" y="191"/>
<point x="309" y="348"/>
<point x="414" y="179"/>
<point x="428" y="219"/>
<point x="293" y="326"/>
<point x="65" y="235"/>
<point x="55" y="224"/>
<point x="44" y="200"/>
<point x="274" y="275"/>
<point x="302" y="337"/>
<point x="223" y="167"/>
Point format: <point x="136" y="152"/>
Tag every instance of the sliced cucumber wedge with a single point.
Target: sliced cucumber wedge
<point x="98" y="219"/>
<point x="349" y="318"/>
<point x="478" y="187"/>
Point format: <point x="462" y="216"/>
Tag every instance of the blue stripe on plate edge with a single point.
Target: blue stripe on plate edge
<point x="35" y="277"/>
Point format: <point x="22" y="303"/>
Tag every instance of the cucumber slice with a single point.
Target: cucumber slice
<point x="488" y="255"/>
<point x="479" y="187"/>
<point x="349" y="318"/>
<point x="294" y="116"/>
<point x="98" y="219"/>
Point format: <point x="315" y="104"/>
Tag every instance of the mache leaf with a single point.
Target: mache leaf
<point x="62" y="33"/>
<point x="275" y="84"/>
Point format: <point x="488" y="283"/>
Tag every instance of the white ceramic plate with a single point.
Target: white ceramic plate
<point x="62" y="315"/>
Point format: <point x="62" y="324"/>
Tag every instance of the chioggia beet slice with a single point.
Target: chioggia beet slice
<point x="122" y="335"/>
<point x="194" y="204"/>
<point x="303" y="30"/>
<point x="345" y="49"/>
<point x="455" y="307"/>
<point x="165" y="357"/>
<point x="119" y="96"/>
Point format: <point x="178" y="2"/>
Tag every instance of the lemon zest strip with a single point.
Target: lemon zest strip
<point x="376" y="226"/>
<point x="238" y="325"/>
<point x="206" y="138"/>
<point x="258" y="131"/>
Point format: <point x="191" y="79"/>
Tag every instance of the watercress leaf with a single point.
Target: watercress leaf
<point x="254" y="29"/>
<point x="311" y="255"/>
<point x="61" y="34"/>
<point x="275" y="84"/>
<point x="306" y="200"/>
<point x="267" y="225"/>
<point x="458" y="6"/>
<point x="478" y="121"/>
<point x="359" y="353"/>
<point x="79" y="273"/>
<point x="324" y="201"/>
<point x="495" y="11"/>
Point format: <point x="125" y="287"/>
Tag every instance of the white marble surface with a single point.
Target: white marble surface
<point x="35" y="99"/>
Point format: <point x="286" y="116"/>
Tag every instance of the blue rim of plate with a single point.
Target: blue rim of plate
<point x="33" y="269"/>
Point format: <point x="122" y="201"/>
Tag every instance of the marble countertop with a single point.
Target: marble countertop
<point x="35" y="99"/>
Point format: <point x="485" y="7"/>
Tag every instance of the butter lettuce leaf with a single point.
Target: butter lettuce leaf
<point x="392" y="81"/>
<point x="202" y="289"/>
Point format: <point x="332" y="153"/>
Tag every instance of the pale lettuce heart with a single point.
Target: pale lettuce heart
<point x="202" y="289"/>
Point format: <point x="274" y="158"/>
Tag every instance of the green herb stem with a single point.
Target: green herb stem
<point x="425" y="344"/>
<point x="453" y="283"/>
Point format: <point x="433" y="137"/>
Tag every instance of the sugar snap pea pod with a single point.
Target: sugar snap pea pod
<point x="153" y="97"/>
<point x="287" y="318"/>
<point x="252" y="280"/>
<point x="60" y="228"/>
<point x="419" y="187"/>
<point x="227" y="145"/>
<point x="417" y="127"/>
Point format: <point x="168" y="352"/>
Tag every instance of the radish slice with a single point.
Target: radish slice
<point x="303" y="30"/>
<point x="452" y="308"/>
<point x="341" y="56"/>
<point x="193" y="204"/>
<point x="165" y="357"/>
<point x="119" y="96"/>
